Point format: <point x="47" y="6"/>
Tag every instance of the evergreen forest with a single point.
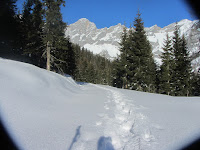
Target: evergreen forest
<point x="37" y="36"/>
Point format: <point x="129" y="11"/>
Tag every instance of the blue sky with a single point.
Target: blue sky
<point x="106" y="13"/>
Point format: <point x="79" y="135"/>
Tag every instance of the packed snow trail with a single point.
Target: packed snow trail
<point x="44" y="110"/>
<point x="123" y="124"/>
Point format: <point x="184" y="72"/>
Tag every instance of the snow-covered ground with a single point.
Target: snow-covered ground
<point x="46" y="111"/>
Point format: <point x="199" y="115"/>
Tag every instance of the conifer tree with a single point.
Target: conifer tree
<point x="54" y="32"/>
<point x="124" y="47"/>
<point x="186" y="69"/>
<point x="142" y="69"/>
<point x="65" y="52"/>
<point x="196" y="83"/>
<point x="135" y="68"/>
<point x="26" y="24"/>
<point x="177" y="59"/>
<point x="37" y="46"/>
<point x="166" y="67"/>
<point x="182" y="69"/>
<point x="8" y="29"/>
<point x="117" y="80"/>
<point x="32" y="32"/>
<point x="120" y="68"/>
<point x="91" y="68"/>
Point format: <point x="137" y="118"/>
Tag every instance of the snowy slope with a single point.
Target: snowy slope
<point x="44" y="110"/>
<point x="106" y="40"/>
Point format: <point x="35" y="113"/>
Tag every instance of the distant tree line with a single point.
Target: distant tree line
<point x="135" y="67"/>
<point x="92" y="68"/>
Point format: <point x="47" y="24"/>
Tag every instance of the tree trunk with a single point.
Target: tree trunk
<point x="126" y="84"/>
<point x="48" y="57"/>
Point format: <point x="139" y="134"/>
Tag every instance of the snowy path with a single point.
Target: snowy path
<point x="126" y="128"/>
<point x="44" y="110"/>
<point x="118" y="126"/>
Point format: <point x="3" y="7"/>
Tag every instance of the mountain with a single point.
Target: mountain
<point x="105" y="41"/>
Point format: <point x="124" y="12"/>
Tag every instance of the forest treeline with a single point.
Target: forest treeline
<point x="37" y="36"/>
<point x="135" y="67"/>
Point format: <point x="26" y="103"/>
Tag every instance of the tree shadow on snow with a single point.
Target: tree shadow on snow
<point x="82" y="83"/>
<point x="105" y="143"/>
<point x="68" y="76"/>
<point x="76" y="137"/>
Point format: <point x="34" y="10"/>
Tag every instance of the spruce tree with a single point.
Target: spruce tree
<point x="54" y="29"/>
<point x="8" y="29"/>
<point x="196" y="83"/>
<point x="65" y="52"/>
<point x="186" y="69"/>
<point x="91" y="68"/>
<point x="124" y="47"/>
<point x="166" y="67"/>
<point x="178" y="63"/>
<point x="26" y="24"/>
<point x="37" y="46"/>
<point x="182" y="69"/>
<point x="32" y="32"/>
<point x="142" y="68"/>
<point x="117" y="74"/>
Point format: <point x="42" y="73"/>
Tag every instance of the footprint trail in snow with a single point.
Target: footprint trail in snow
<point x="127" y="128"/>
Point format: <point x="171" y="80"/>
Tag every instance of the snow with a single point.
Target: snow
<point x="113" y="51"/>
<point x="152" y="39"/>
<point x="107" y="37"/>
<point x="96" y="36"/>
<point x="75" y="35"/>
<point x="85" y="33"/>
<point x="81" y="37"/>
<point x="160" y="37"/>
<point x="44" y="110"/>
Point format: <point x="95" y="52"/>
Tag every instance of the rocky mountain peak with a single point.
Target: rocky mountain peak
<point x="85" y="24"/>
<point x="105" y="41"/>
<point x="153" y="28"/>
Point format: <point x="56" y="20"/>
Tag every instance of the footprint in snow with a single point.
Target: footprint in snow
<point x="147" y="136"/>
<point x="122" y="103"/>
<point x="119" y="107"/>
<point x="101" y="115"/>
<point x="106" y="107"/>
<point x="126" y="110"/>
<point x="127" y="126"/>
<point x="117" y="101"/>
<point x="156" y="126"/>
<point x="141" y="116"/>
<point x="98" y="123"/>
<point x="120" y="118"/>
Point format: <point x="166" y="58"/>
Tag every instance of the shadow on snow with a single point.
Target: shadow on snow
<point x="76" y="137"/>
<point x="105" y="143"/>
<point x="82" y="83"/>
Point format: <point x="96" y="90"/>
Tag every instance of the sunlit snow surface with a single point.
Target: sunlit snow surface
<point x="44" y="110"/>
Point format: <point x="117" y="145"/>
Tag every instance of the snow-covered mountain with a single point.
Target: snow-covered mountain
<point x="105" y="41"/>
<point x="43" y="110"/>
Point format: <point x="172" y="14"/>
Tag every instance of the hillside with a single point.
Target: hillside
<point x="44" y="110"/>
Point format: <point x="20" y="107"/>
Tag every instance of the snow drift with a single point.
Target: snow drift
<point x="44" y="110"/>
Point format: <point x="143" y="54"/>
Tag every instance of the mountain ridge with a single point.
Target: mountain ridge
<point x="105" y="41"/>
